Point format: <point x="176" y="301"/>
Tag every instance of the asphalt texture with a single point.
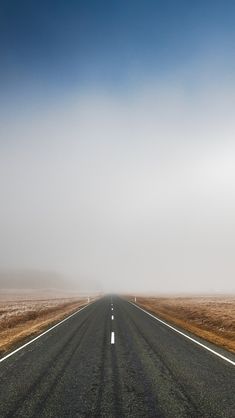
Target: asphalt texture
<point x="150" y="371"/>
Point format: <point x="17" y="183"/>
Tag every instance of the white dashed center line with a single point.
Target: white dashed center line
<point x="112" y="338"/>
<point x="112" y="317"/>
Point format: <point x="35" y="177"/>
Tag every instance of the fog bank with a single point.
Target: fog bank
<point x="131" y="193"/>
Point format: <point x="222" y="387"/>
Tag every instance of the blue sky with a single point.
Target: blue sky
<point x="117" y="142"/>
<point x="62" y="45"/>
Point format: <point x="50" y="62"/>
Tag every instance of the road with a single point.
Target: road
<point x="119" y="362"/>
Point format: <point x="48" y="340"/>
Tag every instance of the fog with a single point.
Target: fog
<point x="122" y="193"/>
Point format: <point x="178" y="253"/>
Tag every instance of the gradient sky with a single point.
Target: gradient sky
<point x="117" y="150"/>
<point x="82" y="44"/>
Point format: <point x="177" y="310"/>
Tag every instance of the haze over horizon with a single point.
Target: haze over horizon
<point x="117" y="151"/>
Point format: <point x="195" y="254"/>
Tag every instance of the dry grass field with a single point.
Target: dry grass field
<point x="20" y="319"/>
<point x="212" y="318"/>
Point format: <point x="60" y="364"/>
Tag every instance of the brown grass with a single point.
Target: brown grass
<point x="21" y="319"/>
<point x="212" y="318"/>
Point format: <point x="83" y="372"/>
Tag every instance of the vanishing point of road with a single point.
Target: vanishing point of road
<point x="111" y="359"/>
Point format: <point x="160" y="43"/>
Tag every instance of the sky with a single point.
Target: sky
<point x="117" y="150"/>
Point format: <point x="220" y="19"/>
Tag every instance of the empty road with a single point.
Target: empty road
<point x="111" y="359"/>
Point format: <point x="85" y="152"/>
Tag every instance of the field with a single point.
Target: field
<point x="20" y="319"/>
<point x="212" y="318"/>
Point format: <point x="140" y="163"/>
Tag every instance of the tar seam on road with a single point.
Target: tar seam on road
<point x="43" y="333"/>
<point x="185" y="335"/>
<point x="112" y="338"/>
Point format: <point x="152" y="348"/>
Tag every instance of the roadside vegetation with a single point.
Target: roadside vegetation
<point x="21" y="319"/>
<point x="209" y="317"/>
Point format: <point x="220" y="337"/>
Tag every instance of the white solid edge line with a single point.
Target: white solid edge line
<point x="185" y="335"/>
<point x="40" y="335"/>
<point x="112" y="338"/>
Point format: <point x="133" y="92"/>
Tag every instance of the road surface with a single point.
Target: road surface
<point x="115" y="361"/>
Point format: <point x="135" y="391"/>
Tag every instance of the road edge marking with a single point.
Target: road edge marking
<point x="43" y="333"/>
<point x="185" y="335"/>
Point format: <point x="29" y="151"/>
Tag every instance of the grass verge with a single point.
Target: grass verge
<point x="20" y="320"/>
<point x="212" y="318"/>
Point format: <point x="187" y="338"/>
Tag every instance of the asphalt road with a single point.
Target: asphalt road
<point x="149" y="371"/>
